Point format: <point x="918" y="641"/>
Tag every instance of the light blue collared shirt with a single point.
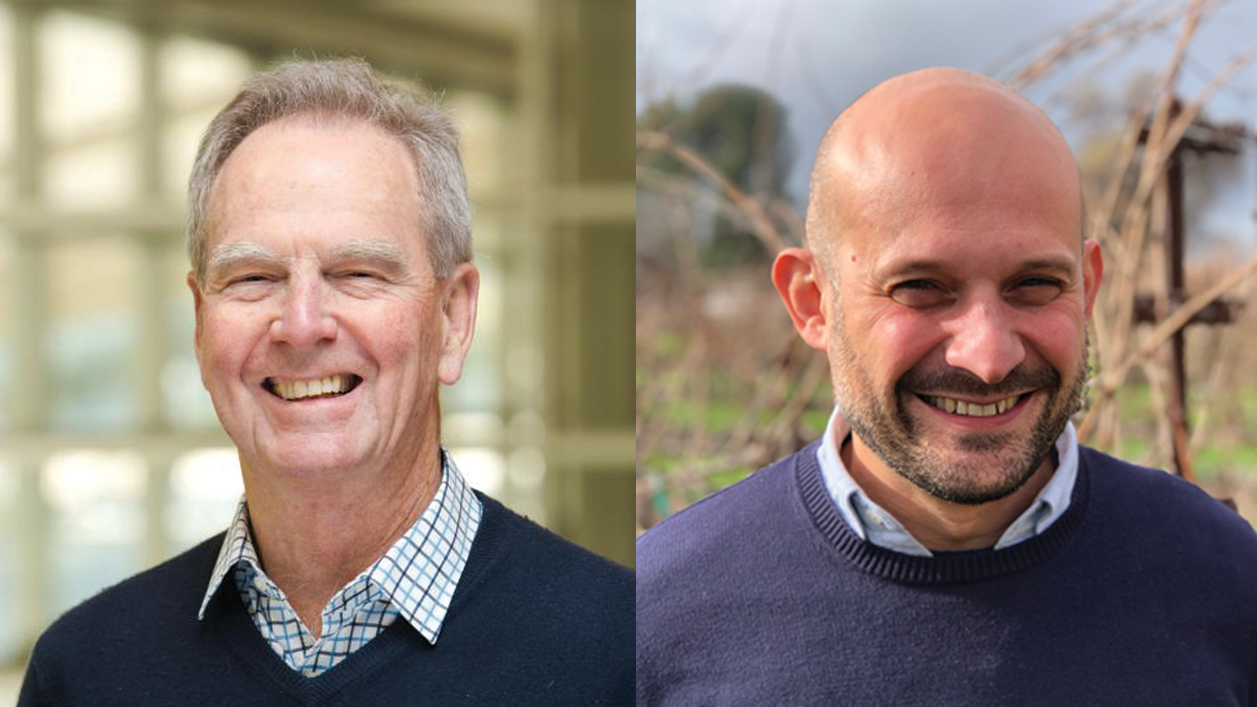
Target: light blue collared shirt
<point x="872" y="523"/>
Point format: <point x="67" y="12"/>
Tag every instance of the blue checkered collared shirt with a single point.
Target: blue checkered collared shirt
<point x="415" y="579"/>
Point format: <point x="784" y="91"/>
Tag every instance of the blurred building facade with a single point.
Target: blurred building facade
<point x="111" y="458"/>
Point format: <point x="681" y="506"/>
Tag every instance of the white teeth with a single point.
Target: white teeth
<point x="960" y="407"/>
<point x="295" y="390"/>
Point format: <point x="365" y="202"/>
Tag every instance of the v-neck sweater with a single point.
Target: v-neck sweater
<point x="535" y="620"/>
<point x="1143" y="592"/>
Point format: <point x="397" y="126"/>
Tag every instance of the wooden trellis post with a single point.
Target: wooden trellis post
<point x="1201" y="138"/>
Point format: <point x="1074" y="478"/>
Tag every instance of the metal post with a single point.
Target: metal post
<point x="30" y="288"/>
<point x="155" y="244"/>
<point x="532" y="393"/>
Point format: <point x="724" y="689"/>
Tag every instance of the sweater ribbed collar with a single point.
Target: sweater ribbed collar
<point x="942" y="567"/>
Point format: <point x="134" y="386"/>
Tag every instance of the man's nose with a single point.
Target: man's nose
<point x="984" y="343"/>
<point x="304" y="319"/>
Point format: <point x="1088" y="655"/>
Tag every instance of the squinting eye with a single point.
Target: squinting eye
<point x="1036" y="291"/>
<point x="249" y="279"/>
<point x="920" y="294"/>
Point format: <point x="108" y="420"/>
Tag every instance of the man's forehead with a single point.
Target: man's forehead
<point x="924" y="251"/>
<point x="939" y="139"/>
<point x="951" y="139"/>
<point x="342" y="164"/>
<point x="900" y="262"/>
<point x="940" y="162"/>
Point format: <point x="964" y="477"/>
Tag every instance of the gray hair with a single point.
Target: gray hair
<point x="346" y="89"/>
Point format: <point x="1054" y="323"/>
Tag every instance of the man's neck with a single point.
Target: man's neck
<point x="314" y="536"/>
<point x="941" y="526"/>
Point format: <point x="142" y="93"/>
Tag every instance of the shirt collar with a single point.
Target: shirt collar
<point x="872" y="523"/>
<point x="418" y="573"/>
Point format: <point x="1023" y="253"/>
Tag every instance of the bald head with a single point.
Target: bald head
<point x="932" y="139"/>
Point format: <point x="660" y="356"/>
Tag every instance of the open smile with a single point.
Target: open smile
<point x="300" y="389"/>
<point x="977" y="409"/>
<point x="978" y="414"/>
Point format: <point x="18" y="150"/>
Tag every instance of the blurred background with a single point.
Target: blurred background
<point x="1158" y="100"/>
<point x="111" y="458"/>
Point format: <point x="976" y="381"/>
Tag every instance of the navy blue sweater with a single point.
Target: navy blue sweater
<point x="535" y="620"/>
<point x="1143" y="593"/>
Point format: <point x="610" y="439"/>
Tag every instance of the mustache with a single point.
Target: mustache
<point x="962" y="382"/>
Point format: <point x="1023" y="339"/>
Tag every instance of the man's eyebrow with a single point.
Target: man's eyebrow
<point x="227" y="255"/>
<point x="1062" y="266"/>
<point x="386" y="253"/>
<point x="912" y="265"/>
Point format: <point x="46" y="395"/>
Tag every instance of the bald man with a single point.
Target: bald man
<point x="948" y="541"/>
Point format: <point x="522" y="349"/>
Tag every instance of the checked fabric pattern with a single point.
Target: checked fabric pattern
<point x="414" y="579"/>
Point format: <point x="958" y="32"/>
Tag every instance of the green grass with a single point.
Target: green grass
<point x="816" y="420"/>
<point x="717" y="418"/>
<point x="1135" y="449"/>
<point x="1240" y="460"/>
<point x="725" y="479"/>
<point x="1135" y="403"/>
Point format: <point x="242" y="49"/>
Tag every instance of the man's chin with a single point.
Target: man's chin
<point x="318" y="454"/>
<point x="972" y="478"/>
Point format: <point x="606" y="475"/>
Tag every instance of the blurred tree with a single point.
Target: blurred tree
<point x="742" y="132"/>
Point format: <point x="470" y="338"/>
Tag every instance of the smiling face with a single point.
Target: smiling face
<point x="924" y="411"/>
<point x="322" y="332"/>
<point x="958" y="287"/>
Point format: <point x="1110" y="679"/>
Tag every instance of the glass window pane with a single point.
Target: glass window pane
<point x="90" y="83"/>
<point x="100" y="176"/>
<point x="205" y="487"/>
<point x="196" y="72"/>
<point x="525" y="478"/>
<point x="95" y="334"/>
<point x="7" y="344"/>
<point x="6" y="106"/>
<point x="185" y="403"/>
<point x="481" y="122"/>
<point x="483" y="468"/>
<point x="198" y="78"/>
<point x="96" y="499"/>
<point x="182" y="137"/>
<point x="10" y="536"/>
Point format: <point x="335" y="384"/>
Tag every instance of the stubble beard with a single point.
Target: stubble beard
<point x="961" y="473"/>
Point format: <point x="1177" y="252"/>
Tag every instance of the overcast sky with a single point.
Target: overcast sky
<point x="817" y="56"/>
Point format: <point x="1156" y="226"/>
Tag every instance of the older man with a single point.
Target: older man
<point x="334" y="290"/>
<point x="948" y="541"/>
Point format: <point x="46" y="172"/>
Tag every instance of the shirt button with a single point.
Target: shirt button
<point x="876" y="517"/>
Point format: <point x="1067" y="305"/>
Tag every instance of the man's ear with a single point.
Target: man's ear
<point x="461" y="291"/>
<point x="796" y="274"/>
<point x="1092" y="272"/>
